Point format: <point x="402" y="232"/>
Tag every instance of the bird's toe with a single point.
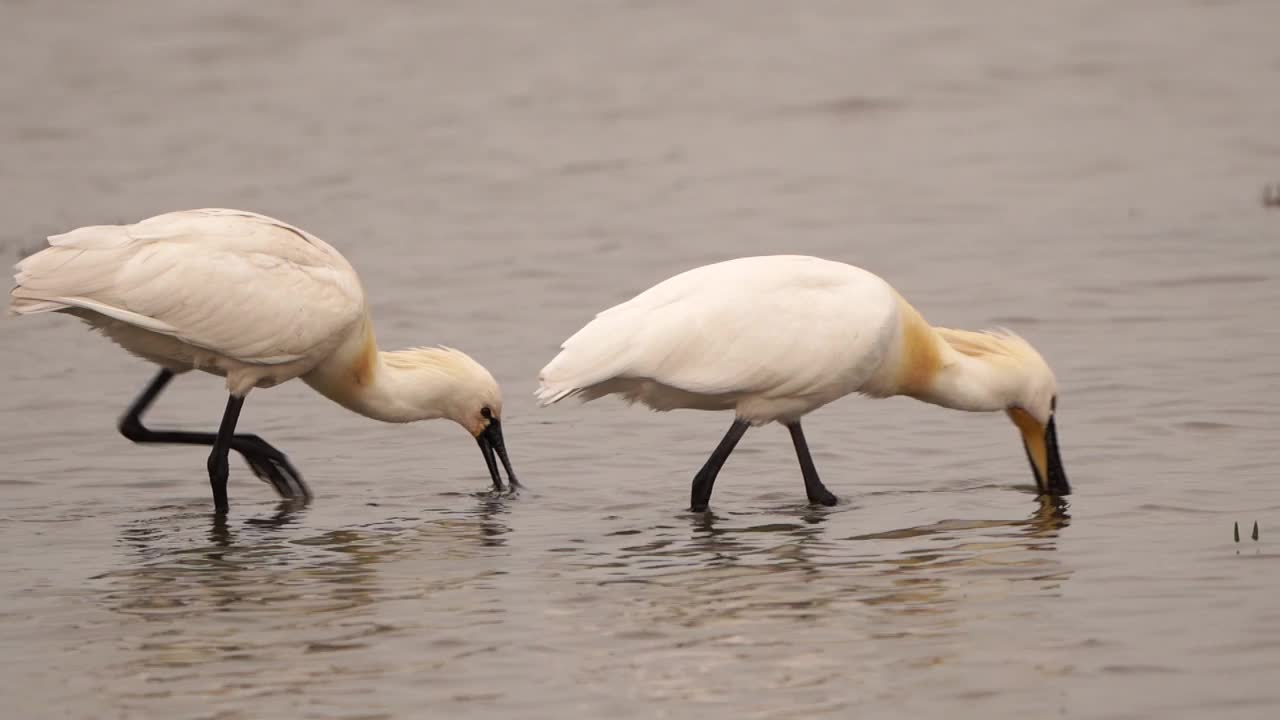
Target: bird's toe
<point x="826" y="499"/>
<point x="280" y="474"/>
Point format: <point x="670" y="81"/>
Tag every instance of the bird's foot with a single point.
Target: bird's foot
<point x="823" y="497"/>
<point x="499" y="492"/>
<point x="272" y="467"/>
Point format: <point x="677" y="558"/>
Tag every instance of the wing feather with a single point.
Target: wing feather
<point x="771" y="326"/>
<point x="240" y="284"/>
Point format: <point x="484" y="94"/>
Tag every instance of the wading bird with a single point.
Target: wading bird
<point x="774" y="338"/>
<point x="258" y="301"/>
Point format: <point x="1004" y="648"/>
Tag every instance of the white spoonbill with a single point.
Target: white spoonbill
<point x="259" y="302"/>
<point x="776" y="337"/>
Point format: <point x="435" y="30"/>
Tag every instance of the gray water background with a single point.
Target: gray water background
<point x="1086" y="173"/>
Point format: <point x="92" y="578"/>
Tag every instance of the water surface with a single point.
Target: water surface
<point x="1088" y="174"/>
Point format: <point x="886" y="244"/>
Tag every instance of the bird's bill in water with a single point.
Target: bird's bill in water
<point x="491" y="443"/>
<point x="1041" y="444"/>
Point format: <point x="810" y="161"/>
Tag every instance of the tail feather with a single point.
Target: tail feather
<point x="93" y="237"/>
<point x="561" y="378"/>
<point x="597" y="353"/>
<point x="62" y="276"/>
<point x="31" y="306"/>
<point x="550" y="395"/>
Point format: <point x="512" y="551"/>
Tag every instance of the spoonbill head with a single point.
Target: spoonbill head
<point x="437" y="383"/>
<point x="1021" y="382"/>
<point x="260" y="302"/>
<point x="773" y="338"/>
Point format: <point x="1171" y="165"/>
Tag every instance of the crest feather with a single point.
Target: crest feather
<point x="992" y="344"/>
<point x="442" y="359"/>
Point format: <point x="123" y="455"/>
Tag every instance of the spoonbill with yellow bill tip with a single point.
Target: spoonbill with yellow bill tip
<point x="773" y="338"/>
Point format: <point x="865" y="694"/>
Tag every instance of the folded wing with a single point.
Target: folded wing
<point x="240" y="284"/>
<point x="771" y="326"/>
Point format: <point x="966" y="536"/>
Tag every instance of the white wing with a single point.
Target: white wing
<point x="240" y="284"/>
<point x="780" y="325"/>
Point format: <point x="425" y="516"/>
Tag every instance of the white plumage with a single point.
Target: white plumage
<point x="260" y="302"/>
<point x="775" y="337"/>
<point x="225" y="291"/>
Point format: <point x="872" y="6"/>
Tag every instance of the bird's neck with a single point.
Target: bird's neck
<point x="932" y="370"/>
<point x="359" y="377"/>
<point x="968" y="383"/>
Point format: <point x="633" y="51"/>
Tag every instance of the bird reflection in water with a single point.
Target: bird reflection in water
<point x="287" y="513"/>
<point x="217" y="593"/>
<point x="787" y="562"/>
<point x="280" y="559"/>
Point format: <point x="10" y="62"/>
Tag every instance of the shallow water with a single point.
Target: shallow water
<point x="1088" y="174"/>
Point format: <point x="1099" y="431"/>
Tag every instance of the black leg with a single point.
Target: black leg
<point x="132" y="419"/>
<point x="218" y="470"/>
<point x="268" y="463"/>
<point x="700" y="496"/>
<point x="813" y="487"/>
